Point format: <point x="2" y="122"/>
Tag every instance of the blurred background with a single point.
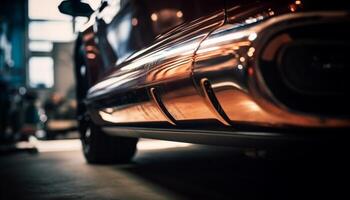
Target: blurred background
<point x="37" y="86"/>
<point x="36" y="69"/>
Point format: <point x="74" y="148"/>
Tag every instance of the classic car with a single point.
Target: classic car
<point x="245" y="73"/>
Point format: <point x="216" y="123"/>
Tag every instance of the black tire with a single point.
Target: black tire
<point x="100" y="148"/>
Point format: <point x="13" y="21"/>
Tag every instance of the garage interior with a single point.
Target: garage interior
<point x="40" y="149"/>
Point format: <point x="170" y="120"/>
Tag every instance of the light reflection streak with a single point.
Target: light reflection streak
<point x="75" y="145"/>
<point x="226" y="38"/>
<point x="51" y="146"/>
<point x="226" y="84"/>
<point x="113" y="80"/>
<point x="186" y="49"/>
<point x="108" y="117"/>
<point x="252" y="36"/>
<point x="159" y="144"/>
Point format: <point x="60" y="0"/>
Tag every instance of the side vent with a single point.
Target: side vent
<point x="157" y="100"/>
<point x="213" y="102"/>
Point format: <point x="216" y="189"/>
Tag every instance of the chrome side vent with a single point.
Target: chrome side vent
<point x="157" y="100"/>
<point x="213" y="102"/>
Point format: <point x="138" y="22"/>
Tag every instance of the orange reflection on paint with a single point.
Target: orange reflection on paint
<point x="179" y="14"/>
<point x="154" y="17"/>
<point x="251" y="51"/>
<point x="250" y="71"/>
<point x="89" y="48"/>
<point x="90" y="55"/>
<point x="292" y="7"/>
<point x="134" y="21"/>
<point x="88" y="36"/>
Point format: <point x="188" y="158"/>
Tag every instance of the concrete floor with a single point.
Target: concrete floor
<point x="177" y="172"/>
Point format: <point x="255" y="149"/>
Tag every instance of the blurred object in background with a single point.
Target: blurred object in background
<point x="13" y="39"/>
<point x="5" y="63"/>
<point x="36" y="49"/>
<point x="50" y="65"/>
<point x="5" y="47"/>
<point x="20" y="116"/>
<point x="31" y="114"/>
<point x="60" y="113"/>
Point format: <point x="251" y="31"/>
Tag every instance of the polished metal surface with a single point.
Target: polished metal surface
<point x="206" y="71"/>
<point x="226" y="58"/>
<point x="163" y="65"/>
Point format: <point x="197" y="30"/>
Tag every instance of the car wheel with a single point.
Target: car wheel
<point x="100" y="148"/>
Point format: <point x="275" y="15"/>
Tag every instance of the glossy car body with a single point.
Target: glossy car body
<point x="220" y="72"/>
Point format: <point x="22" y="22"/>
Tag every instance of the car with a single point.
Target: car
<point x="238" y="73"/>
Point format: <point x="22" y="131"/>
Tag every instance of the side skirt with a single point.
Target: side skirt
<point x="224" y="138"/>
